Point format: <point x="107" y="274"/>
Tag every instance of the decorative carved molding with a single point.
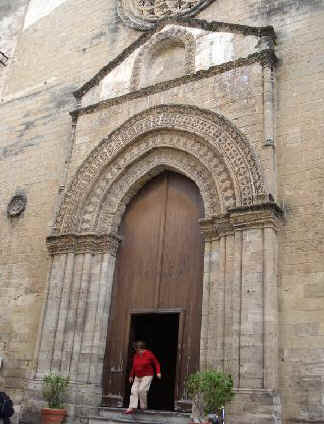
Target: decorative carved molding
<point x="159" y="150"/>
<point x="17" y="205"/>
<point x="213" y="26"/>
<point x="144" y="14"/>
<point x="83" y="243"/>
<point x="173" y="33"/>
<point x="264" y="57"/>
<point x="231" y="146"/>
<point x="216" y="227"/>
<point x="263" y="215"/>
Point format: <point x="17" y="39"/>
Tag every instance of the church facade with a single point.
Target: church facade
<point x="162" y="169"/>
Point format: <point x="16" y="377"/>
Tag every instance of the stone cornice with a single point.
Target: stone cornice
<point x="263" y="215"/>
<point x="213" y="26"/>
<point x="264" y="57"/>
<point x="83" y="243"/>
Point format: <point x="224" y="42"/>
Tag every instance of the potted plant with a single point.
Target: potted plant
<point x="210" y="390"/>
<point x="54" y="389"/>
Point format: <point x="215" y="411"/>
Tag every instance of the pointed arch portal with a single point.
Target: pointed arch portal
<point x="236" y="290"/>
<point x="158" y="272"/>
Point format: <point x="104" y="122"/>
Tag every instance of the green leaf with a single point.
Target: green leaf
<point x="54" y="389"/>
<point x="215" y="388"/>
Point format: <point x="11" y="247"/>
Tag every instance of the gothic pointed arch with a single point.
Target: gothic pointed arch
<point x="198" y="143"/>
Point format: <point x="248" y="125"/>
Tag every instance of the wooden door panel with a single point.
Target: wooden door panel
<point x="159" y="266"/>
<point x="138" y="255"/>
<point x="135" y="278"/>
<point x="181" y="281"/>
<point x="182" y="261"/>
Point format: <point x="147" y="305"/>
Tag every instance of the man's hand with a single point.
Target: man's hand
<point x="159" y="376"/>
<point x="131" y="379"/>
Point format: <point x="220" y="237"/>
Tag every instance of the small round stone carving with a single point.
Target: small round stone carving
<point x="17" y="205"/>
<point x="143" y="14"/>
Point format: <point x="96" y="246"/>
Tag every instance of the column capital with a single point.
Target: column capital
<point x="266" y="214"/>
<point x="215" y="227"/>
<point x="83" y="243"/>
<point x="262" y="215"/>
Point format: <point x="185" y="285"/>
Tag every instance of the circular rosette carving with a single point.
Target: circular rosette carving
<point x="143" y="14"/>
<point x="17" y="205"/>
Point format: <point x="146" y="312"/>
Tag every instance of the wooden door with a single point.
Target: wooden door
<point x="159" y="266"/>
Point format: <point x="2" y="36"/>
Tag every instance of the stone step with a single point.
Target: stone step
<point x="116" y="415"/>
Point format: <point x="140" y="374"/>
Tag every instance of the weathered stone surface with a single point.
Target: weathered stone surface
<point x="279" y="111"/>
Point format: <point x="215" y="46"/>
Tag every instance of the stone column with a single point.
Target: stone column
<point x="51" y="328"/>
<point x="269" y="124"/>
<point x="205" y="299"/>
<point x="236" y="302"/>
<point x="229" y="363"/>
<point x="76" y="315"/>
<point x="102" y="316"/>
<point x="271" y="309"/>
<point x="80" y="313"/>
<point x="217" y="299"/>
<point x="251" y="333"/>
<point x="64" y="308"/>
<point x="258" y="337"/>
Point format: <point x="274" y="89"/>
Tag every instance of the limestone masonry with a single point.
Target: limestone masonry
<point x="96" y="99"/>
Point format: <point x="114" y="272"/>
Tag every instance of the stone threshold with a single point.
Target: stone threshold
<point x="116" y="415"/>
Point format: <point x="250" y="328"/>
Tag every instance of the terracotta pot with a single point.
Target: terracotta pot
<point x="52" y="416"/>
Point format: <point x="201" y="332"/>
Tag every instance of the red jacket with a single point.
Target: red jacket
<point x="143" y="364"/>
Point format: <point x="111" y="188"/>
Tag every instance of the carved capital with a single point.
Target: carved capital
<point x="268" y="58"/>
<point x="216" y="227"/>
<point x="83" y="243"/>
<point x="62" y="244"/>
<point x="207" y="228"/>
<point x="266" y="42"/>
<point x="260" y="215"/>
<point x="108" y="243"/>
<point x="223" y="226"/>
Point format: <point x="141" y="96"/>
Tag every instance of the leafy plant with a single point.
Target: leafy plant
<point x="54" y="389"/>
<point x="210" y="389"/>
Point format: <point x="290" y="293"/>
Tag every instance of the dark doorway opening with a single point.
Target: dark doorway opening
<point x="160" y="332"/>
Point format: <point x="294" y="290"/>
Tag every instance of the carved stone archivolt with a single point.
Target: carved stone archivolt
<point x="172" y="34"/>
<point x="157" y="151"/>
<point x="123" y="189"/>
<point x="216" y="146"/>
<point x="144" y="14"/>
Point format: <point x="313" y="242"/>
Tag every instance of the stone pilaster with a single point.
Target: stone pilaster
<point x="51" y="314"/>
<point x="259" y="294"/>
<point x="77" y="308"/>
<point x="102" y="315"/>
<point x="240" y="309"/>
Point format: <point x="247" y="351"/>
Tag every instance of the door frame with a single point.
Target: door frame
<point x="182" y="316"/>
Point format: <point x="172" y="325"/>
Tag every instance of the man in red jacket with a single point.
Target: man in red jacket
<point x="141" y="375"/>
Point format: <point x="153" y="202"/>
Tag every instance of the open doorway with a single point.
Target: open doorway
<point x="160" y="332"/>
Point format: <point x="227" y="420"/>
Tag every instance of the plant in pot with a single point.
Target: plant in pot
<point x="54" y="390"/>
<point x="210" y="390"/>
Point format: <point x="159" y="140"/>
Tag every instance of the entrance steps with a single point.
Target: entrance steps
<point x="116" y="416"/>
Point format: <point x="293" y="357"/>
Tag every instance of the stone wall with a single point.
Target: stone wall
<point x="61" y="49"/>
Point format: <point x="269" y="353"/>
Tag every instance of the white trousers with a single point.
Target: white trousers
<point x="140" y="387"/>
